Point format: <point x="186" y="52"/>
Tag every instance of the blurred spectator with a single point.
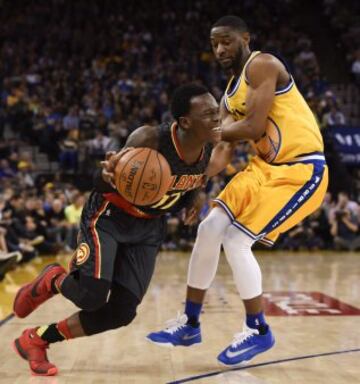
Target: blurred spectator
<point x="333" y="117"/>
<point x="355" y="67"/>
<point x="344" y="221"/>
<point x="73" y="215"/>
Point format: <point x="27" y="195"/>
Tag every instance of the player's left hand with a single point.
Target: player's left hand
<point x="192" y="213"/>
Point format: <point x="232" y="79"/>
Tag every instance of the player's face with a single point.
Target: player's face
<point x="229" y="46"/>
<point x="204" y="116"/>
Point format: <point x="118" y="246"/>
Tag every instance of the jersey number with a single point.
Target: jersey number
<point x="168" y="201"/>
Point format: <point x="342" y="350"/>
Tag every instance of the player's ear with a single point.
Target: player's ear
<point x="184" y="122"/>
<point x="246" y="37"/>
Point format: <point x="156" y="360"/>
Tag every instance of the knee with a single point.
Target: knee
<point x="122" y="308"/>
<point x="209" y="228"/>
<point x="234" y="235"/>
<point x="121" y="317"/>
<point x="95" y="295"/>
<point x="236" y="243"/>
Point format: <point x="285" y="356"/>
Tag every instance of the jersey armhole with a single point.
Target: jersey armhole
<point x="226" y="103"/>
<point x="278" y="91"/>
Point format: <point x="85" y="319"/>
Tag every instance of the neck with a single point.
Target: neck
<point x="238" y="70"/>
<point x="191" y="146"/>
<point x="188" y="140"/>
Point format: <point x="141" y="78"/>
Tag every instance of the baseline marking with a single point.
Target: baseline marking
<point x="273" y="362"/>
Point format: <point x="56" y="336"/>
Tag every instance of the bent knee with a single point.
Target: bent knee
<point x="95" y="295"/>
<point x="123" y="317"/>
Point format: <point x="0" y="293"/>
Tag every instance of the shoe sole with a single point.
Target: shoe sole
<point x="169" y="345"/>
<point x="28" y="285"/>
<point x="20" y="352"/>
<point x="243" y="363"/>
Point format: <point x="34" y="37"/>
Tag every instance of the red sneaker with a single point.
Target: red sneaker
<point x="31" y="347"/>
<point x="31" y="295"/>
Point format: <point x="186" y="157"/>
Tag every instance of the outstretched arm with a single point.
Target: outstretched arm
<point x="223" y="152"/>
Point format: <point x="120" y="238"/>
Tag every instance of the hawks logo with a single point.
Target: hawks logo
<point x="82" y="253"/>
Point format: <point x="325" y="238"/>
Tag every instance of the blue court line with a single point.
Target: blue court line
<point x="193" y="378"/>
<point x="6" y="319"/>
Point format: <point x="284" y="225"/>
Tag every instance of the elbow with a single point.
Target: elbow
<point x="256" y="128"/>
<point x="256" y="133"/>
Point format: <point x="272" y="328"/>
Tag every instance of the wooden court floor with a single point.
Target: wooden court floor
<point x="123" y="356"/>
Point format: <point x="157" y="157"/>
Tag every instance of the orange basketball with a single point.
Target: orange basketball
<point x="142" y="176"/>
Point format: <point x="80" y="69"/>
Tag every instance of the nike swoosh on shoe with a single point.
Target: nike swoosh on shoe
<point x="189" y="337"/>
<point x="230" y="354"/>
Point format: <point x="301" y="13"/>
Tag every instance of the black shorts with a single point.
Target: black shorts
<point x="116" y="246"/>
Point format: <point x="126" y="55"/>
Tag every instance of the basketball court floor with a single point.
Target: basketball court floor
<point x="313" y="306"/>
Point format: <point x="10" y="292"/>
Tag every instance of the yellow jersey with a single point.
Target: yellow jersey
<point x="291" y="131"/>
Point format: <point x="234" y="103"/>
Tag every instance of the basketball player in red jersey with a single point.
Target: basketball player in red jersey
<point x="118" y="242"/>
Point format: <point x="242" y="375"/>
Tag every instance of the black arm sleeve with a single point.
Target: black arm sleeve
<point x="100" y="185"/>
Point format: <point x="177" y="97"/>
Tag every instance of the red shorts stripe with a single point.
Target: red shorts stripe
<point x="96" y="239"/>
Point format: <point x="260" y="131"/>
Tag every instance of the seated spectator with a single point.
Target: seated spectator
<point x="344" y="229"/>
<point x="73" y="215"/>
<point x="58" y="227"/>
<point x="99" y="145"/>
<point x="333" y="117"/>
<point x="344" y="222"/>
<point x="5" y="170"/>
<point x="69" y="152"/>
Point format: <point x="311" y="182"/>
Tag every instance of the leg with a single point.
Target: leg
<point x="204" y="261"/>
<point x="202" y="268"/>
<point x="245" y="268"/>
<point x="119" y="311"/>
<point x="257" y="336"/>
<point x="88" y="284"/>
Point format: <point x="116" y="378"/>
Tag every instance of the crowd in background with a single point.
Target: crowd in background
<point x="345" y="21"/>
<point x="79" y="77"/>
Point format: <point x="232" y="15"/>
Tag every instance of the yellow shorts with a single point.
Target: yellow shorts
<point x="265" y="200"/>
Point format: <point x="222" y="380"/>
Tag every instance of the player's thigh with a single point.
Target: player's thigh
<point x="241" y="190"/>
<point x="96" y="254"/>
<point x="291" y="194"/>
<point x="135" y="266"/>
<point x="308" y="207"/>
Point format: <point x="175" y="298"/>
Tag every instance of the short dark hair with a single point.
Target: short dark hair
<point x="232" y="21"/>
<point x="181" y="98"/>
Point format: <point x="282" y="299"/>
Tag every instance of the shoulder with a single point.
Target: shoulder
<point x="262" y="66"/>
<point x="265" y="59"/>
<point x="145" y="136"/>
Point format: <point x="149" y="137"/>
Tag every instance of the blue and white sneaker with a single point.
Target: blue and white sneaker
<point x="246" y="345"/>
<point x="176" y="333"/>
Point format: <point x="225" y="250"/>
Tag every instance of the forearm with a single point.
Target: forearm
<point x="220" y="158"/>
<point x="240" y="130"/>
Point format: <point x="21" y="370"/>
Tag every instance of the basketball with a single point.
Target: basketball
<point x="142" y="176"/>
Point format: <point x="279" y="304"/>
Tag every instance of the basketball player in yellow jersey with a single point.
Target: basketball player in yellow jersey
<point x="283" y="184"/>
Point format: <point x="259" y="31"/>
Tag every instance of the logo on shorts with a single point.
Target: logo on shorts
<point x="82" y="253"/>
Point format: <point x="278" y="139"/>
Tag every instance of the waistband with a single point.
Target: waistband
<point x="124" y="205"/>
<point x="309" y="158"/>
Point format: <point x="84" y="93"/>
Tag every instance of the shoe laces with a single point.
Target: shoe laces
<point x="174" y="325"/>
<point x="246" y="334"/>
